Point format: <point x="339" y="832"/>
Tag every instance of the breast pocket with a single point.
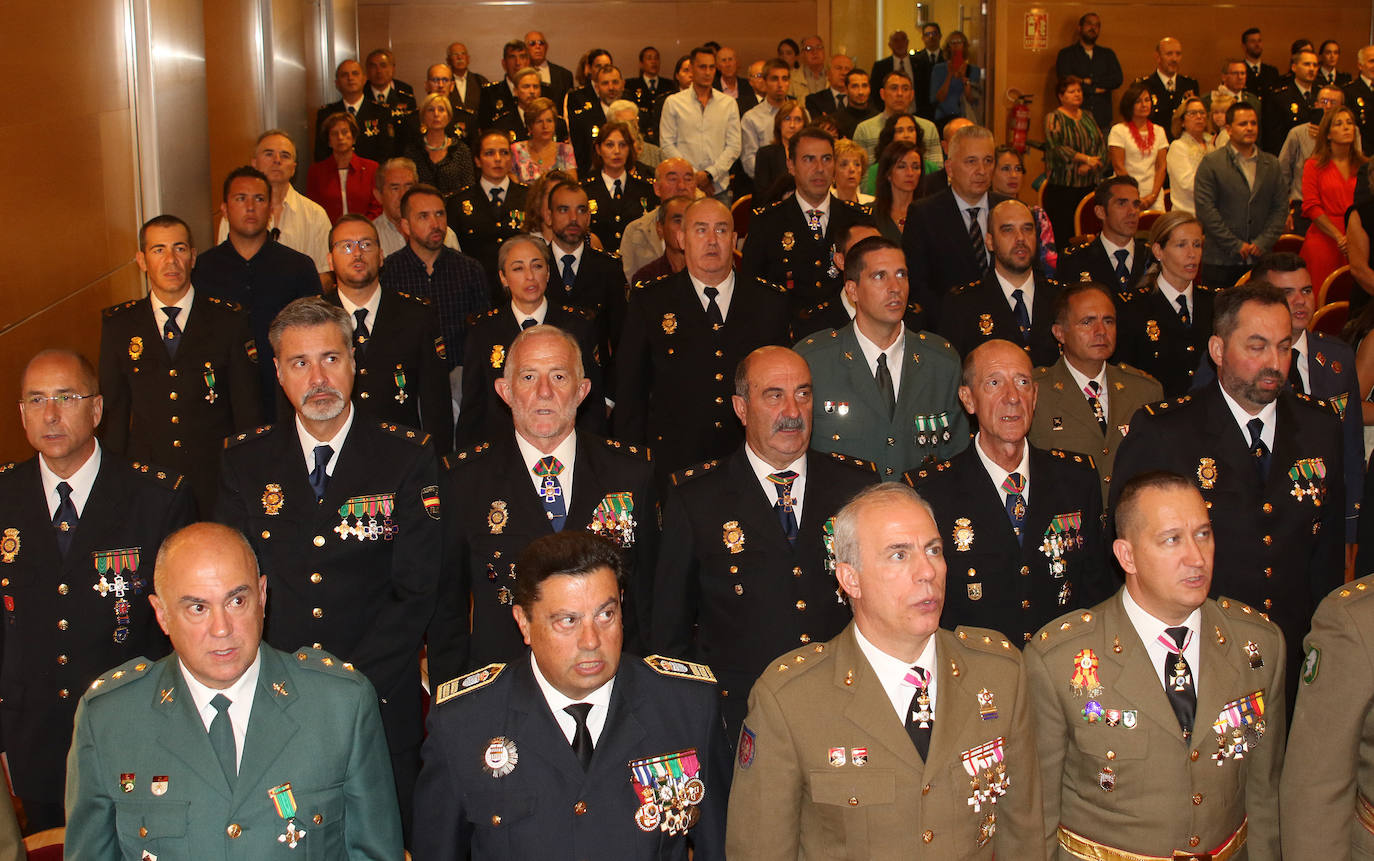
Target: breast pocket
<point x="845" y="803"/>
<point x="155" y="827"/>
<point x="1111" y="755"/>
<point x="494" y="813"/>
<point x="321" y="813"/>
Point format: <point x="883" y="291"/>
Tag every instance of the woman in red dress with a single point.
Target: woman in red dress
<point x="342" y="181"/>
<point x="1328" y="191"/>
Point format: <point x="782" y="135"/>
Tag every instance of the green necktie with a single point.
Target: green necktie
<point x="222" y="738"/>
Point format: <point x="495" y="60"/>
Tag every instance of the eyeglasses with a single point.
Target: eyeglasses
<point x="540" y="42"/>
<point x="1195" y="112"/>
<point x="348" y="246"/>
<point x="35" y="403"/>
<point x="811" y="49"/>
<point x="441" y="80"/>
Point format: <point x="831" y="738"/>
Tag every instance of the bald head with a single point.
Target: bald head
<point x="196" y="545"/>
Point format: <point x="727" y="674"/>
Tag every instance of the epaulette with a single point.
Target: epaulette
<point x="914" y="308"/>
<point x="1318" y="403"/>
<point x="680" y="669"/>
<point x="1072" y="456"/>
<point x="1069" y="625"/>
<point x="1353" y="591"/>
<point x="857" y="207"/>
<point x="119" y="676"/>
<point x="985" y="640"/>
<point x="1125" y="295"/>
<point x="578" y="312"/>
<point x="403" y="432"/>
<point x="1042" y="371"/>
<point x="322" y="662"/>
<point x="489" y="313"/>
<point x="641" y="452"/>
<point x="806" y="315"/>
<point x="1135" y="372"/>
<point x="933" y="468"/>
<point x="412" y="297"/>
<point x="799" y="660"/>
<point x="162" y="476"/>
<point x="865" y="465"/>
<point x="474" y="680"/>
<point x="231" y="441"/>
<point x="1240" y="610"/>
<point x="1080" y="246"/>
<point x="1165" y="406"/>
<point x="776" y="288"/>
<point x="693" y="471"/>
<point x="1204" y="288"/>
<point x="232" y="306"/>
<point x="586" y="106"/>
<point x="962" y="287"/>
<point x="454" y="458"/>
<point x="7" y="467"/>
<point x="640" y="285"/>
<point x="121" y="307"/>
<point x="1147" y="289"/>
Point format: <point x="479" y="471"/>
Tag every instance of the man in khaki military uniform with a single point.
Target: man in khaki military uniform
<point x="895" y="738"/>
<point x="1160" y="713"/>
<point x="1086" y="403"/>
<point x="1328" y="776"/>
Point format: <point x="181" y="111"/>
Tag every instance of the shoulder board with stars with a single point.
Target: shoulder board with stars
<point x="680" y="669"/>
<point x="809" y="312"/>
<point x="682" y="476"/>
<point x="857" y="207"/>
<point x="799" y="660"/>
<point x="120" y="676"/>
<point x="1042" y="371"/>
<point x="1073" y="457"/>
<point x="475" y="680"/>
<point x="322" y="662"/>
<point x="983" y="640"/>
<point x="1071" y="625"/>
<point x="1080" y="246"/>
<point x="858" y="463"/>
<point x="162" y="476"/>
<point x="1354" y="591"/>
<point x="927" y="472"/>
<point x="638" y="451"/>
<point x="494" y="312"/>
<point x="457" y="458"/>
<point x="403" y="432"/>
<point x="1242" y="611"/>
<point x="7" y="467"/>
<point x="962" y="287"/>
<point x="1165" y="406"/>
<point x="232" y="306"/>
<point x="914" y="308"/>
<point x="420" y="300"/>
<point x="1204" y="288"/>
<point x="640" y="285"/>
<point x="239" y="438"/>
<point x="584" y="313"/>
<point x="1318" y="403"/>
<point x="776" y="288"/>
<point x="114" y="310"/>
<point x="1134" y="371"/>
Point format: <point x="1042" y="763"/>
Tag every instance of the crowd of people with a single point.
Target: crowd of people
<point x="510" y="495"/>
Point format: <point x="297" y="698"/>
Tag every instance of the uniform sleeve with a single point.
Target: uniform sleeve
<point x="91" y="833"/>
<point x="449" y="637"/>
<point x="436" y="399"/>
<point x="1019" y="828"/>
<point x="372" y="819"/>
<point x="1051" y="744"/>
<point x="114" y="391"/>
<point x="708" y="836"/>
<point x="1266" y="764"/>
<point x="444" y="832"/>
<point x="752" y="257"/>
<point x="245" y="380"/>
<point x="915" y="240"/>
<point x="676" y="591"/>
<point x="643" y="558"/>
<point x="633" y="369"/>
<point x="767" y="793"/>
<point x="1110" y="77"/>
<point x="1317" y="794"/>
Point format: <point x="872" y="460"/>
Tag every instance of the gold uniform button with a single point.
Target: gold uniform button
<point x="362" y="371"/>
<point x="925" y="790"/>
<point x="889" y="470"/>
<point x="1025" y="605"/>
<point x="801" y="605"/>
<point x="853" y="801"/>
<point x="364" y="395"/>
<point x="1193" y="756"/>
<point x="63" y="693"/>
<point x="796" y="571"/>
<point x="61" y="624"/>
<point x="318" y="818"/>
<point x="1025" y="569"/>
<point x="316" y="577"/>
<point x="1268" y="508"/>
<point x="319" y="541"/>
<point x="172" y="372"/>
<point x="719" y="377"/>
<point x="176" y="420"/>
<point x="1111" y="754"/>
<point x="61" y="660"/>
<point x="1194" y="840"/>
<point x="805" y="638"/>
<point x="1197" y="798"/>
<point x="927" y="835"/>
<point x="720" y="400"/>
<point x="1268" y="603"/>
<point x="171" y="396"/>
<point x="176" y="443"/>
<point x="317" y="647"/>
<point x="62" y="588"/>
<point x="580" y="808"/>
<point x="233" y="830"/>
<point x="142" y="831"/>
<point x="891" y="441"/>
<point x="266" y="534"/>
<point x="1268" y="572"/>
<point x="496" y="819"/>
<point x="317" y="613"/>
<point x="720" y="354"/>
<point x="1268" y="539"/>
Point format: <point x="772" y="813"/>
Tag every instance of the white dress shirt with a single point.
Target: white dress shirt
<point x="1111" y="248"/>
<point x="964" y="205"/>
<point x="1171" y="293"/>
<point x="762" y="470"/>
<point x="372" y="305"/>
<point x="80" y="482"/>
<point x="538" y="313"/>
<point x="1027" y="291"/>
<point x="160" y="317"/>
<point x="999" y="475"/>
<point x="240" y="696"/>
<point x="596" y="718"/>
<point x="1082" y="380"/>
<point x="566" y="452"/>
<point x="1267" y="414"/>
<point x="335" y="442"/>
<point x="892" y="672"/>
<point x="726" y="288"/>
<point x="824" y="208"/>
<point x="1302" y="347"/>
<point x="756" y="131"/>
<point x="894" y="357"/>
<point x="1150" y="629"/>
<point x="488" y="185"/>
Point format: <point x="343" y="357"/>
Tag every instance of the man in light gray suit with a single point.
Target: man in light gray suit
<point x="1241" y="201"/>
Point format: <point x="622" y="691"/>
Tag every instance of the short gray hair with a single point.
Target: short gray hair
<point x="544" y="329"/>
<point x="970" y="133"/>
<point x="537" y="241"/>
<point x="308" y="312"/>
<point x="398" y="163"/>
<point x="847" y="518"/>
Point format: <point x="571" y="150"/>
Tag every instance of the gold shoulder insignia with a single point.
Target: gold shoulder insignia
<point x="693" y="471"/>
<point x="7" y="467"/>
<point x="865" y="465"/>
<point x="983" y="639"/>
<point x="466" y="454"/>
<point x="680" y="669"/>
<point x="1358" y="588"/>
<point x="119" y="676"/>
<point x="467" y="684"/>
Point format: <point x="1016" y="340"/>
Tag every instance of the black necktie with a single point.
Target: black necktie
<point x="1123" y="272"/>
<point x="1022" y="314"/>
<point x="787" y="514"/>
<point x="1178" y="678"/>
<point x="582" y="737"/>
<point x="171" y="332"/>
<point x="528" y="322"/>
<point x="1294" y="375"/>
<point x="319" y="479"/>
<point x="496" y="197"/>
<point x="975" y="238"/>
<point x="618" y="190"/>
<point x="222" y="739"/>
<point x="713" y="314"/>
<point x="353" y="110"/>
<point x="1183" y="310"/>
<point x="569" y="276"/>
<point x="1094" y="393"/>
<point x="64" y="519"/>
<point x="885" y="387"/>
<point x="1258" y="448"/>
<point x="360" y="332"/>
<point x="920" y="718"/>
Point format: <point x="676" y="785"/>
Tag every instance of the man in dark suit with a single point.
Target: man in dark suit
<point x="1359" y="93"/>
<point x="1025" y="523"/>
<point x="558" y="79"/>
<point x="1260" y="77"/>
<point x="401" y="367"/>
<point x="768" y="585"/>
<point x="1290" y="104"/>
<point x="996" y="306"/>
<point x="831" y="99"/>
<point x="81" y="528"/>
<point x="1268" y="460"/>
<point x="587" y="278"/>
<point x="1166" y="86"/>
<point x="1241" y="198"/>
<point x="791" y="242"/>
<point x="382" y="86"/>
<point x="514" y="121"/>
<point x="343" y="513"/>
<point x="230" y="748"/>
<point x="1096" y="65"/>
<point x="588" y="117"/>
<point x="499" y="97"/>
<point x="467" y="84"/>
<point x="645" y="88"/>
<point x="901" y="59"/>
<point x="524" y="262"/>
<point x="1116" y="257"/>
<point x="539" y="476"/>
<point x="575" y="744"/>
<point x="376" y="129"/>
<point x="178" y="372"/>
<point x="945" y="234"/>
<point x="683" y="337"/>
<point x="491" y="210"/>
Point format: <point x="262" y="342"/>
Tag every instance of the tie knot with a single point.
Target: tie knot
<point x="711" y="292"/>
<point x="1182" y="303"/>
<point x="918" y="677"/>
<point x="322" y="455"/>
<point x="784" y="478"/>
<point x="171" y="311"/>
<point x="1178" y="634"/>
<point x="548" y="466"/>
<point x="569" y="259"/>
<point x="1256" y="426"/>
<point x="64" y="491"/>
<point x="361" y="315"/>
<point x="1018" y="294"/>
<point x="579" y="712"/>
<point x="221" y="703"/>
<point x="1014" y="483"/>
<point x="496" y="195"/>
<point x="973" y="213"/>
<point x="1094" y="388"/>
<point x="529" y="321"/>
<point x="1122" y="254"/>
<point x="882" y="360"/>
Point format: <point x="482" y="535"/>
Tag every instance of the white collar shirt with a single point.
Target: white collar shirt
<point x="726" y="288"/>
<point x="1304" y="361"/>
<point x="1172" y="293"/>
<point x="1151" y="629"/>
<point x="371" y="307"/>
<point x="823" y="208"/>
<point x="80" y="482"/>
<point x="1111" y="248"/>
<point x="1268" y="414"/>
<point x="892" y="673"/>
<point x="565" y="451"/>
<point x="1082" y="381"/>
<point x="1027" y="290"/>
<point x="336" y="442"/>
<point x="600" y="700"/>
<point x="762" y="470"/>
<point x="893" y="352"/>
<point x="537" y="314"/>
<point x="160" y="316"/>
<point x="240" y="696"/>
<point x="998" y="475"/>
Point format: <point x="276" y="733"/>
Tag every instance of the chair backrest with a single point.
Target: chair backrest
<point x="1336" y="287"/>
<point x="1148" y="219"/>
<point x="1289" y="242"/>
<point x="1167" y="199"/>
<point x="1331" y="319"/>
<point x="1085" y="220"/>
<point x="1242" y="279"/>
<point x="741" y="211"/>
<point x="45" y="845"/>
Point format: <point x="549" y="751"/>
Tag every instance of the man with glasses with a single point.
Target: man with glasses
<point x="556" y="79"/>
<point x="811" y="77"/>
<point x="79" y="529"/>
<point x="462" y="124"/>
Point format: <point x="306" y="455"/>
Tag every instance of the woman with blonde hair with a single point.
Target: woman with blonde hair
<point x="541" y="153"/>
<point x="851" y="163"/>
<point x="441" y="161"/>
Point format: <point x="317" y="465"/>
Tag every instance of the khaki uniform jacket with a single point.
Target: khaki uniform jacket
<point x="1331" y="746"/>
<point x="1064" y="419"/>
<point x="792" y="799"/>
<point x="1168" y="793"/>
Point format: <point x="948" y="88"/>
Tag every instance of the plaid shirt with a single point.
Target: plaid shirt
<point x="456" y="290"/>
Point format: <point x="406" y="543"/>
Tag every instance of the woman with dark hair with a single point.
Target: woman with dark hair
<point x="956" y="85"/>
<point x="1075" y="155"/>
<point x="1008" y="174"/>
<point x="898" y="127"/>
<point x="1328" y="191"/>
<point x="615" y="195"/>
<point x="1137" y="146"/>
<point x="900" y="169"/>
<point x="342" y="181"/>
<point x="772" y="180"/>
<point x="441" y="161"/>
<point x="788" y="52"/>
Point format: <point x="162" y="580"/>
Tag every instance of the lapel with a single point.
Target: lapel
<point x="1323" y="382"/>
<point x="812" y="515"/>
<point x="1219" y="679"/>
<point x="587" y="486"/>
<point x="860" y="382"/>
<point x="1231" y="444"/>
<point x="866" y="705"/>
<point x="1071" y="401"/>
<point x="1286" y="450"/>
<point x="623" y="736"/>
<point x="388" y="312"/>
<point x="1042" y="306"/>
<point x="270" y="727"/>
<point x="1117" y="385"/>
<point x="292" y="469"/>
<point x="180" y="731"/>
<point x="956" y="708"/>
<point x="42" y="539"/>
<point x="524" y="501"/>
<point x="743" y="494"/>
<point x="538" y="732"/>
<point x="954" y="217"/>
<point x="1132" y="673"/>
<point x="1003" y="318"/>
<point x="101" y="517"/>
<point x="1043" y="500"/>
<point x="986" y="495"/>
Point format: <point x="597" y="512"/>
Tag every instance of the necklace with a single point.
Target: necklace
<point x="1145" y="143"/>
<point x="443" y="146"/>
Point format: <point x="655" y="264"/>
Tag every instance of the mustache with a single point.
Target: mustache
<point x="321" y="390"/>
<point x="794" y="423"/>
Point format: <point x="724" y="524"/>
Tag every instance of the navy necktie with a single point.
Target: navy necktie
<point x="619" y="190"/>
<point x="319" y="479"/>
<point x="1183" y="310"/>
<point x="171" y="332"/>
<point x="787" y="514"/>
<point x="496" y="197"/>
<point x="1123" y="272"/>
<point x="550" y="491"/>
<point x="360" y="332"/>
<point x="1022" y="314"/>
<point x="1258" y="448"/>
<point x="569" y="276"/>
<point x="64" y="519"/>
<point x="712" y="309"/>
<point x="528" y="322"/>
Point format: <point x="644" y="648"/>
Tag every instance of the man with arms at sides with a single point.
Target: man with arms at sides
<point x="491" y="210"/>
<point x="539" y="476"/>
<point x="902" y="59"/>
<point x="1260" y="77"/>
<point x="1159" y="715"/>
<point x="587" y="278"/>
<point x="1026" y="522"/>
<point x="1085" y="403"/>
<point x="768" y="586"/>
<point x="1359" y="93"/>
<point x="684" y="335"/>
<point x="574" y="749"/>
<point x="524" y="263"/>
<point x="792" y="241"/>
<point x="830" y="98"/>
<point x="1268" y="460"/>
<point x="80" y="530"/>
<point x="467" y="84"/>
<point x="922" y="709"/>
<point x="702" y="125"/>
<point x="178" y="372"/>
<point x="394" y="179"/>
<point x="945" y="238"/>
<point x="344" y="511"/>
<point x="1013" y="300"/>
<point x="838" y="312"/>
<point x="227" y="735"/>
<point x="498" y="97"/>
<point x="756" y="125"/>
<point x="896" y="95"/>
<point x="1288" y="105"/>
<point x="589" y="117"/>
<point x="644" y="88"/>
<point x="1096" y="65"/>
<point x="1116" y="258"/>
<point x="886" y="393"/>
<point x="558" y="79"/>
<point x="401" y="368"/>
<point x="377" y="134"/>
<point x="1166" y="86"/>
<point x="640" y="244"/>
<point x="254" y="271"/>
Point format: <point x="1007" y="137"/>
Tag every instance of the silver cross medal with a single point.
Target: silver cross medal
<point x="294" y="834"/>
<point x="923" y="715"/>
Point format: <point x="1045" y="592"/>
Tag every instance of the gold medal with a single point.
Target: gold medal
<point x="669" y="324"/>
<point x="497" y="517"/>
<point x="272" y="499"/>
<point x="498" y="356"/>
<point x="467" y="207"/>
<point x="1152" y="329"/>
<point x="733" y="536"/>
<point x="591" y="207"/>
<point x="788" y="241"/>
<point x="1207" y="473"/>
<point x="985" y="324"/>
<point x="963" y="534"/>
<point x="135" y="348"/>
<point x="9" y="545"/>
